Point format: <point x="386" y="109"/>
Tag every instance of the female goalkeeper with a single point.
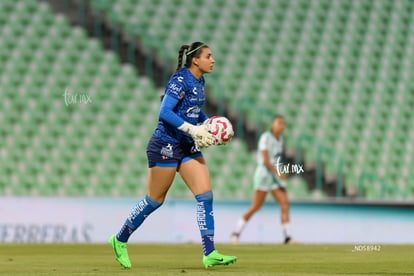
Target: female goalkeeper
<point x="268" y="178"/>
<point x="175" y="147"/>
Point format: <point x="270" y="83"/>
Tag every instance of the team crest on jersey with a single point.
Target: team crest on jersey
<point x="195" y="90"/>
<point x="167" y="151"/>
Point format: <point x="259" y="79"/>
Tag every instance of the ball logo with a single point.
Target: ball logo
<point x="221" y="128"/>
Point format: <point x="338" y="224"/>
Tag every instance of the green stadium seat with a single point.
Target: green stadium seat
<point x="338" y="70"/>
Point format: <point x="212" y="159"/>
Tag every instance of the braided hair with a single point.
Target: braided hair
<point x="183" y="48"/>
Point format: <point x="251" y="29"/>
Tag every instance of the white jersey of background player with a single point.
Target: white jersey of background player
<point x="267" y="178"/>
<point x="264" y="179"/>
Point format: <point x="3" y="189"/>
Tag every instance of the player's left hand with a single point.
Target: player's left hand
<point x="202" y="136"/>
<point x="217" y="142"/>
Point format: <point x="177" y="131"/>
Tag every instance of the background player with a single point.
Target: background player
<point x="174" y="147"/>
<point x="267" y="178"/>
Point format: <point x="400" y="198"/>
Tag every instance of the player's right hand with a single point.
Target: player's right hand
<point x="202" y="136"/>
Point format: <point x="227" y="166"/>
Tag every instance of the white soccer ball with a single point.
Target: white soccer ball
<point x="221" y="128"/>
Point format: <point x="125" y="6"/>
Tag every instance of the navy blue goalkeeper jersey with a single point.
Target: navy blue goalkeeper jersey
<point x="188" y="91"/>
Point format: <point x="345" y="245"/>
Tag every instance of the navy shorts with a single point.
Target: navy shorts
<point x="165" y="154"/>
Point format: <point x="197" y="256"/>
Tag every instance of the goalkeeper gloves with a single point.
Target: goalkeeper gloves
<point x="200" y="134"/>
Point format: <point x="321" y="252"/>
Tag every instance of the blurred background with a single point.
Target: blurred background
<point x="81" y="80"/>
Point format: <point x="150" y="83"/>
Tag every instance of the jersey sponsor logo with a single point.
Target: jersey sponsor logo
<point x="192" y="115"/>
<point x="193" y="112"/>
<point x="167" y="151"/>
<point x="175" y="89"/>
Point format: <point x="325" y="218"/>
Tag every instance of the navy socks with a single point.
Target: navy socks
<point x="205" y="221"/>
<point x="136" y="217"/>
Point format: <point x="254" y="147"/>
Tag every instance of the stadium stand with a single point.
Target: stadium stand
<point x="69" y="110"/>
<point x="335" y="68"/>
<point x="340" y="71"/>
<point x="74" y="121"/>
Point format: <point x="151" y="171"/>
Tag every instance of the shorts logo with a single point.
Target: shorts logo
<point x="167" y="151"/>
<point x="195" y="149"/>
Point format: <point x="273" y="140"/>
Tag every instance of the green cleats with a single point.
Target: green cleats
<point x="215" y="258"/>
<point x="121" y="253"/>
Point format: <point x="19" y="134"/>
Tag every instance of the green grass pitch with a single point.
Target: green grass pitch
<point x="185" y="259"/>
